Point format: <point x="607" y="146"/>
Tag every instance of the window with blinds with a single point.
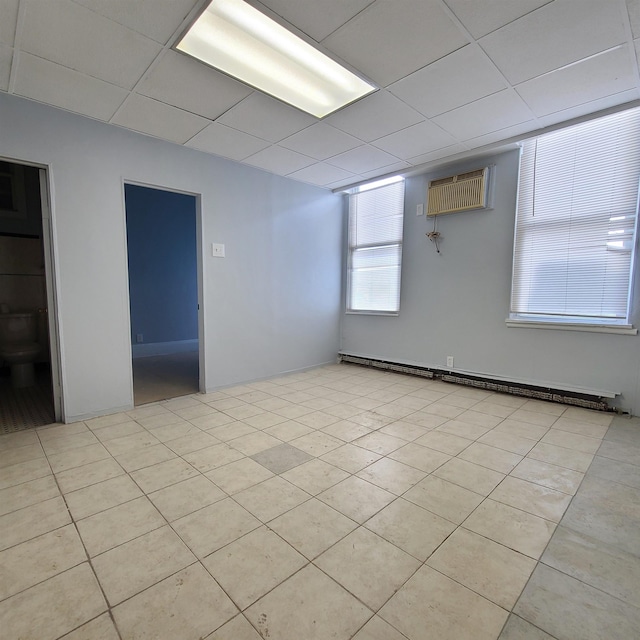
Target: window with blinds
<point x="376" y="213"/>
<point x="576" y="223"/>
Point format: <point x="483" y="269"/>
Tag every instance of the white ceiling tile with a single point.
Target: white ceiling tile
<point x="590" y="107"/>
<point x="53" y="84"/>
<point x="6" y="56"/>
<point x="507" y="133"/>
<point x="633" y="8"/>
<point x="438" y="154"/>
<point x="279" y="160"/>
<point x="391" y="168"/>
<point x="486" y="115"/>
<point x="227" y="142"/>
<point x="416" y="140"/>
<point x="262" y="116"/>
<point x="377" y="115"/>
<point x="555" y="35"/>
<point x="322" y="174"/>
<point x="459" y="78"/>
<point x="75" y="37"/>
<point x="158" y="119"/>
<point x="480" y="18"/>
<point x="602" y="75"/>
<point x="343" y="183"/>
<point x="320" y="141"/>
<point x="317" y="19"/>
<point x="364" y="158"/>
<point x="192" y="86"/>
<point x="387" y="44"/>
<point x="9" y="11"/>
<point x="156" y="19"/>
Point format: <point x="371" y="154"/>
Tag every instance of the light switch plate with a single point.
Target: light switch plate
<point x="217" y="250"/>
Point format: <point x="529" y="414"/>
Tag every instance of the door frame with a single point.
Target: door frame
<point x="202" y="386"/>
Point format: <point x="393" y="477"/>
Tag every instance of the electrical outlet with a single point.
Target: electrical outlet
<point x="217" y="250"/>
<point x="139" y="337"/>
<point x="449" y="361"/>
<point x="420" y="209"/>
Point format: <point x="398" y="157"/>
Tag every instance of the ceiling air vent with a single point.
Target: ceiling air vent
<point x="463" y="192"/>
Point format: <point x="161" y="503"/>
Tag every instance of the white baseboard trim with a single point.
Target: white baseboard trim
<point x="163" y="348"/>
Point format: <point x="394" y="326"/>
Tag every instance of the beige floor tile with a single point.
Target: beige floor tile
<point x="543" y="406"/>
<point x="575" y="460"/>
<point x="28" y="493"/>
<point x="163" y="474"/>
<point x="38" y="559"/>
<point x="312" y="527"/>
<point x="30" y="522"/>
<point x="511" y="527"/>
<point x="212" y="420"/>
<point x="239" y="475"/>
<point x="112" y="432"/>
<point x="490" y="457"/>
<point x="54" y="607"/>
<point x="254" y="443"/>
<point x="420" y="457"/>
<point x="271" y="498"/>
<point x="159" y="420"/>
<point x="534" y="417"/>
<point x="237" y="629"/>
<point x="411" y="528"/>
<point x="470" y="476"/>
<point x="188" y="413"/>
<point x="66" y="443"/>
<point x="140" y="563"/>
<point x="371" y="419"/>
<point x="585" y="415"/>
<point x="293" y="411"/>
<point x="463" y="429"/>
<point x="368" y="566"/>
<point x="356" y="498"/>
<point x="185" y="497"/>
<point x="522" y="429"/>
<point x="581" y="427"/>
<point x="175" y="431"/>
<point x="192" y="442"/>
<point x="548" y="475"/>
<point x="253" y="565"/>
<point x="100" y="628"/>
<point x="391" y="475"/>
<point x="243" y="411"/>
<point x="426" y="420"/>
<point x="21" y="454"/>
<point x="444" y="442"/>
<point x="118" y="525"/>
<point x="133" y="442"/>
<point x="317" y="443"/>
<point x="486" y="567"/>
<point x="378" y="629"/>
<point x="380" y="443"/>
<point x="346" y="430"/>
<point x="480" y="419"/>
<point x="572" y="441"/>
<point x="88" y="474"/>
<point x="215" y="526"/>
<point x="57" y="430"/>
<point x="305" y="606"/>
<point x="442" y="408"/>
<point x="350" y="458"/>
<point x="404" y="430"/>
<point x="146" y="457"/>
<point x="343" y="411"/>
<point x="519" y="629"/>
<point x="288" y="430"/>
<point x="77" y="457"/>
<point x="188" y="605"/>
<point x="104" y="495"/>
<point x="493" y="409"/>
<point x="211" y="458"/>
<point x="315" y="476"/>
<point x="444" y="498"/>
<point x="508" y="441"/>
<point x="105" y="421"/>
<point x="228" y="432"/>
<point x="265" y="420"/>
<point x="532" y="498"/>
<point x="430" y="600"/>
<point x="18" y="439"/>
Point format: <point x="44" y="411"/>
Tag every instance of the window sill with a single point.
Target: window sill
<point x="372" y="313"/>
<point x="620" y="329"/>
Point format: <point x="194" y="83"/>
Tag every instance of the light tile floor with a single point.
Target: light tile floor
<point x="337" y="503"/>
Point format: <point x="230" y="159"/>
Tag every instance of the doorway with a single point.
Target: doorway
<point x="162" y="249"/>
<point x="30" y="393"/>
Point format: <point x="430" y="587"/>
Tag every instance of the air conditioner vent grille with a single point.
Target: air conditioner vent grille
<point x="461" y="192"/>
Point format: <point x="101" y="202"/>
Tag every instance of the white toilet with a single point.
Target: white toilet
<point x="18" y="346"/>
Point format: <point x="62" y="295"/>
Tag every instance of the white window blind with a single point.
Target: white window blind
<point x="375" y="248"/>
<point x="576" y="222"/>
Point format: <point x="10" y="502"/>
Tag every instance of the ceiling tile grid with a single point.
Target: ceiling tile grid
<point x="452" y="76"/>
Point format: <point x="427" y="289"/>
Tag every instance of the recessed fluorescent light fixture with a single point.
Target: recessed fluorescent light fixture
<point x="239" y="40"/>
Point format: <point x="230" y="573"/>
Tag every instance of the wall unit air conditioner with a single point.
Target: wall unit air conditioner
<point x="462" y="192"/>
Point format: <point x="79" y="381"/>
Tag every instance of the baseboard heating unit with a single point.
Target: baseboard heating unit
<point x="574" y="398"/>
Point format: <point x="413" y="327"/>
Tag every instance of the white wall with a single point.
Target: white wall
<point x="456" y="304"/>
<point x="272" y="305"/>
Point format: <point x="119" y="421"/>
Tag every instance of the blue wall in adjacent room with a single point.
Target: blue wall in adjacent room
<point x="161" y="242"/>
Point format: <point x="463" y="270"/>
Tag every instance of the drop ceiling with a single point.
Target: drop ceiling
<point x="453" y="76"/>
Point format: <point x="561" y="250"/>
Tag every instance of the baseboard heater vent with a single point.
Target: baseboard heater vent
<point x="560" y="396"/>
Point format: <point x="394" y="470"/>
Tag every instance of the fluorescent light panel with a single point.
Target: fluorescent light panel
<point x="239" y="40"/>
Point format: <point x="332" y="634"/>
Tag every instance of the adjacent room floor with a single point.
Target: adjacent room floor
<point x="161" y="377"/>
<point x="338" y="503"/>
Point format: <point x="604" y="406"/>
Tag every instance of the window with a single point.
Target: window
<point x="576" y="222"/>
<point x="375" y="247"/>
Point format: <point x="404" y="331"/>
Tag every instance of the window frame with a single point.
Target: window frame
<point x="353" y="248"/>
